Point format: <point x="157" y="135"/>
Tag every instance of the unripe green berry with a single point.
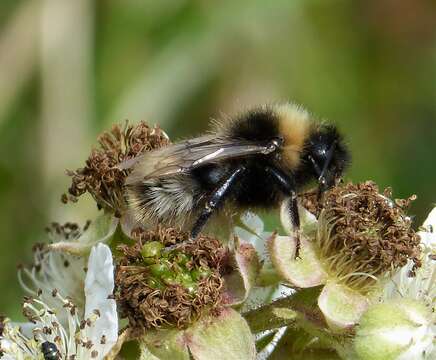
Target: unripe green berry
<point x="160" y="269"/>
<point x="151" y="249"/>
<point x="200" y="273"/>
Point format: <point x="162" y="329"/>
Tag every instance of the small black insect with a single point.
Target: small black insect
<point x="254" y="160"/>
<point x="50" y="351"/>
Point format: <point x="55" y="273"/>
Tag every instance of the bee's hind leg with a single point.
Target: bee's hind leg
<point x="216" y="199"/>
<point x="288" y="187"/>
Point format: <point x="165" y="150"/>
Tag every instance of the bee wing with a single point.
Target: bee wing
<point x="190" y="154"/>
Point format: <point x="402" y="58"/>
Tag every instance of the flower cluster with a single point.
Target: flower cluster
<point x="363" y="286"/>
<point x="378" y="275"/>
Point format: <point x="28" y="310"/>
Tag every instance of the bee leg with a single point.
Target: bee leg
<point x="288" y="187"/>
<point x="216" y="199"/>
<point x="295" y="220"/>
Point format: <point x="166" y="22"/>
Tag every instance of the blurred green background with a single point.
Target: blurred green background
<point x="69" y="69"/>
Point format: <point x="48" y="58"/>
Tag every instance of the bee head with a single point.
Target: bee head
<point x="327" y="155"/>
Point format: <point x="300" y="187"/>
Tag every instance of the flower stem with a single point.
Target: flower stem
<point x="300" y="310"/>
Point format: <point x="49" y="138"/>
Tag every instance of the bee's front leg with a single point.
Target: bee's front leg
<point x="287" y="185"/>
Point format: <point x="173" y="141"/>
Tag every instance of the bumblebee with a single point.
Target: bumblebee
<point x="254" y="160"/>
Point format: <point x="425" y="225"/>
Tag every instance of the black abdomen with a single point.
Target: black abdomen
<point x="255" y="188"/>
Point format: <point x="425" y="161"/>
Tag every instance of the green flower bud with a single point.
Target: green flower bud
<point x="226" y="336"/>
<point x="395" y="330"/>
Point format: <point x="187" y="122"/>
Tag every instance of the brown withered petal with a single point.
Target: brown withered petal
<point x="149" y="307"/>
<point x="100" y="176"/>
<point x="367" y="228"/>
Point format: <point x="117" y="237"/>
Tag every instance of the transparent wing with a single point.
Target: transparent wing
<point x="190" y="154"/>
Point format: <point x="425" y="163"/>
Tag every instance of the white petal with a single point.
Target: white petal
<point x="428" y="237"/>
<point x="99" y="284"/>
<point x="431" y="218"/>
<point x="5" y="345"/>
<point x="26" y="328"/>
<point x="253" y="231"/>
<point x="253" y="221"/>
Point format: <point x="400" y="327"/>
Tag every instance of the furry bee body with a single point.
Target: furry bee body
<point x="253" y="160"/>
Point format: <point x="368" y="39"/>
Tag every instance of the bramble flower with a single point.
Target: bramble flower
<point x="403" y="324"/>
<point x="61" y="264"/>
<point x="358" y="237"/>
<point x="89" y="337"/>
<point x="362" y="288"/>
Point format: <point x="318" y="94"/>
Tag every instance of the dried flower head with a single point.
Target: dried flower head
<point x="101" y="177"/>
<point x="364" y="232"/>
<point x="156" y="286"/>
